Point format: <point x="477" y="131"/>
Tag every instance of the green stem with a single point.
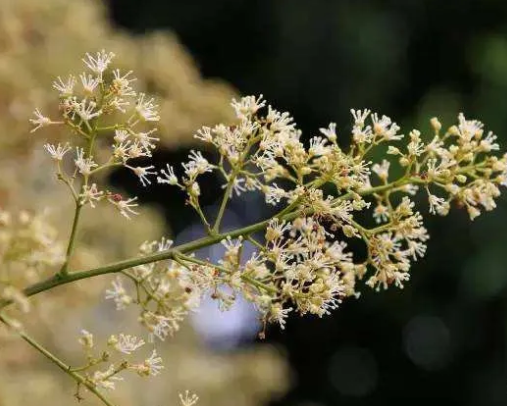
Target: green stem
<point x="59" y="363"/>
<point x="72" y="238"/>
<point x="223" y="205"/>
<point x="246" y="278"/>
<point x="62" y="279"/>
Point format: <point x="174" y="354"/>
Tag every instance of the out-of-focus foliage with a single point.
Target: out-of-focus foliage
<point x="43" y="39"/>
<point x="248" y="377"/>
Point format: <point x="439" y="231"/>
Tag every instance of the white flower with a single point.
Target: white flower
<point x="467" y="129"/>
<point x="204" y="134"/>
<point x="121" y="136"/>
<point x="121" y="84"/>
<point x="238" y="186"/>
<point x="382" y="170"/>
<point x="126" y="344"/>
<point x="117" y="103"/>
<point x="488" y="144"/>
<point x="393" y="150"/>
<point x="86" y="339"/>
<point x="197" y="165"/>
<point x="119" y="295"/>
<point x="124" y="206"/>
<point x="89" y="83"/>
<point x="84" y="165"/>
<point x="438" y="205"/>
<point x="188" y="399"/>
<point x="90" y="194"/>
<point x="415" y="146"/>
<point x="274" y="194"/>
<point x="146" y="109"/>
<point x="142" y="173"/>
<point x="146" y="140"/>
<point x="385" y="128"/>
<point x="136" y="150"/>
<point x="329" y="132"/>
<point x="318" y="146"/>
<point x="66" y="89"/>
<point x="41" y="120"/>
<point x="247" y="106"/>
<point x="278" y="314"/>
<point x="360" y="116"/>
<point x="99" y="63"/>
<point x="168" y="177"/>
<point x="381" y="213"/>
<point x="87" y="111"/>
<point x="58" y="152"/>
<point x="121" y="151"/>
<point x="151" y="366"/>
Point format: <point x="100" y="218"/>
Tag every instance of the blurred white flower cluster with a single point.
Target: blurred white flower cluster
<point x="123" y="346"/>
<point x="28" y="249"/>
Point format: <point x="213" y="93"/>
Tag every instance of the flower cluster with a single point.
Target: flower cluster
<point x="327" y="195"/>
<point x="123" y="347"/>
<point x="100" y="106"/>
<point x="303" y="263"/>
<point x="166" y="291"/>
<point x="29" y="248"/>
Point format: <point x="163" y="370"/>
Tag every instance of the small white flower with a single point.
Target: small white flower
<point x="382" y="170"/>
<point x="89" y="83"/>
<point x="146" y="140"/>
<point x="488" y="144"/>
<point x="121" y="136"/>
<point x="121" y="84"/>
<point x="66" y="89"/>
<point x="151" y="366"/>
<point x="58" y="152"/>
<point x="146" y="109"/>
<point x="168" y="177"/>
<point x="385" y="128"/>
<point x="329" y="132"/>
<point x="197" y="165"/>
<point x="117" y="103"/>
<point x="119" y="295"/>
<point x="438" y="205"/>
<point x="41" y="120"/>
<point x="318" y="146"/>
<point x="86" y="109"/>
<point x="142" y="173"/>
<point x="90" y="194"/>
<point x="124" y="206"/>
<point x="99" y="63"/>
<point x="238" y="186"/>
<point x="84" y="165"/>
<point x="188" y="399"/>
<point x="278" y="314"/>
<point x="125" y="344"/>
<point x="86" y="339"/>
<point x="247" y="106"/>
<point x="360" y="116"/>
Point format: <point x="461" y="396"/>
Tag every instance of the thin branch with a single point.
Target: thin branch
<point x="72" y="238"/>
<point x="62" y="279"/>
<point x="80" y="379"/>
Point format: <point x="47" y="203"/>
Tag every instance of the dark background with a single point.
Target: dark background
<point x="443" y="337"/>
